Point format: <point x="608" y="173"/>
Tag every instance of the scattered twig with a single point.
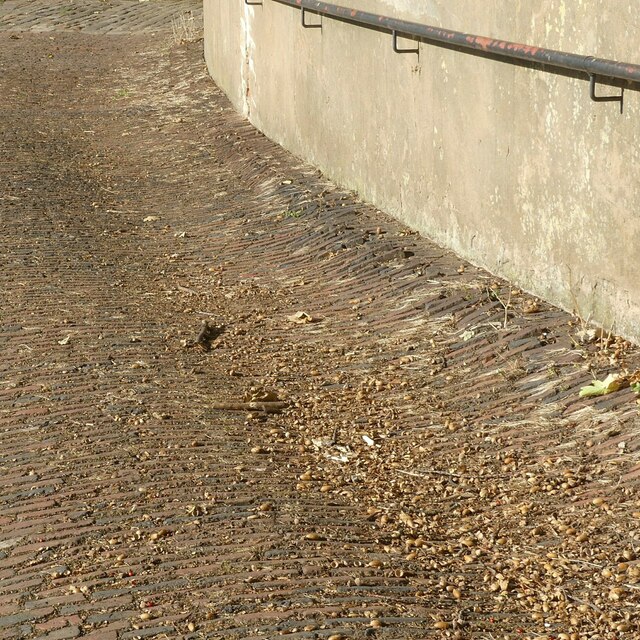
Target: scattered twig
<point x="579" y="601"/>
<point x="421" y="474"/>
<point x="266" y="407"/>
<point x="433" y="472"/>
<point x="193" y="292"/>
<point x="580" y="561"/>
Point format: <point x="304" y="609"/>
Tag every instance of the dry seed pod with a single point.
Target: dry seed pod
<point x="616" y="593"/>
<point x="314" y="536"/>
<point x="164" y="532"/>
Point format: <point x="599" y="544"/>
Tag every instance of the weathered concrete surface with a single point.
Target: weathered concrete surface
<point x="515" y="169"/>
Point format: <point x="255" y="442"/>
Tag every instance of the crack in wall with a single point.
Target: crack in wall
<point x="247" y="70"/>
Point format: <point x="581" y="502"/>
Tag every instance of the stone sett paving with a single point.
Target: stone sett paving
<point x="434" y="473"/>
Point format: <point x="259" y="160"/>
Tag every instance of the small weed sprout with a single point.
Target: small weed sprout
<point x="493" y="295"/>
<point x="184" y="29"/>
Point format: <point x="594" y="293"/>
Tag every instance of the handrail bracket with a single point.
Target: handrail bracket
<point x="394" y="33"/>
<point x="306" y="25"/>
<point x="595" y="98"/>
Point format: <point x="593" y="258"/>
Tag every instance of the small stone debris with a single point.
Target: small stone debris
<point x="208" y="333"/>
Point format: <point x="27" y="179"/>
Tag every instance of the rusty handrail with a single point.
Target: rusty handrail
<point x="590" y="65"/>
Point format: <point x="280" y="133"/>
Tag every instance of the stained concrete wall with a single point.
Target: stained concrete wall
<point x="513" y="168"/>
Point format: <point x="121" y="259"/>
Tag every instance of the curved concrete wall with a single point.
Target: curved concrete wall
<point x="513" y="168"/>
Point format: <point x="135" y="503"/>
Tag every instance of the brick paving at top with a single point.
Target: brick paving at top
<point x="98" y="17"/>
<point x="134" y="204"/>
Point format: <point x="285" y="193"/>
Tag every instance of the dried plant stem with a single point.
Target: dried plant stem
<point x="266" y="407"/>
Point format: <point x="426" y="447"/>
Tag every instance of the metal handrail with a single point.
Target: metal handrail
<point x="589" y="65"/>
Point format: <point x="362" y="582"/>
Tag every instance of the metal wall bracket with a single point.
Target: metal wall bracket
<point x="595" y="98"/>
<point x="250" y="2"/>
<point x="395" y="45"/>
<point x="305" y="24"/>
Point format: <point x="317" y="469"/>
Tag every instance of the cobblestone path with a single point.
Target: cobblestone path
<point x="433" y="473"/>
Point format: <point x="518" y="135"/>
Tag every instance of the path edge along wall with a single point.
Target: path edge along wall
<point x="514" y="168"/>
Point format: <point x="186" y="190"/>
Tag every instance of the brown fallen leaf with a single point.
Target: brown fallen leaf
<point x="302" y="317"/>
